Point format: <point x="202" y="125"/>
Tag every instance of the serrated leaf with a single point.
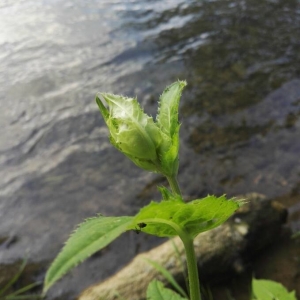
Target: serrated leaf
<point x="167" y="121"/>
<point x="167" y="117"/>
<point x="167" y="218"/>
<point x="151" y="145"/>
<point x="169" y="157"/>
<point x="271" y="290"/>
<point x="133" y="132"/>
<point x="91" y="236"/>
<point x="157" y="291"/>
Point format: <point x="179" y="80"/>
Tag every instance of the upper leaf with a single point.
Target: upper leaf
<point x="271" y="290"/>
<point x="167" y="121"/>
<point x="167" y="117"/>
<point x="169" y="157"/>
<point x="91" y="236"/>
<point x="157" y="291"/>
<point x="169" y="218"/>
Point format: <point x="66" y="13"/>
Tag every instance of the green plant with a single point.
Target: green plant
<point x="262" y="289"/>
<point x="161" y="269"/>
<point x="20" y="293"/>
<point x="270" y="290"/>
<point x="152" y="145"/>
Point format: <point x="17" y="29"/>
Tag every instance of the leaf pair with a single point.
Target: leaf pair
<point x="168" y="218"/>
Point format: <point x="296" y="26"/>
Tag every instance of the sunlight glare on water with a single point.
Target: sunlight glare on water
<point x="55" y="55"/>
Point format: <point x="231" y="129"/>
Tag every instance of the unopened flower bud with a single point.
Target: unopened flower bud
<point x="151" y="145"/>
<point x="131" y="131"/>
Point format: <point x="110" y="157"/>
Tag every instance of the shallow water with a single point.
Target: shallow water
<point x="240" y="113"/>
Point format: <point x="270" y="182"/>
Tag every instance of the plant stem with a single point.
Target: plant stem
<point x="192" y="268"/>
<point x="189" y="250"/>
<point x="174" y="185"/>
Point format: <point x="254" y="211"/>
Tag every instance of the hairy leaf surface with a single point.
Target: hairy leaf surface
<point x="91" y="236"/>
<point x="167" y="121"/>
<point x="167" y="117"/>
<point x="167" y="217"/>
<point x="132" y="131"/>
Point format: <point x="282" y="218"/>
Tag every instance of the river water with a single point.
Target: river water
<point x="240" y="113"/>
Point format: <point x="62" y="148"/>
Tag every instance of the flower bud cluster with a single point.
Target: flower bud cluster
<point x="151" y="145"/>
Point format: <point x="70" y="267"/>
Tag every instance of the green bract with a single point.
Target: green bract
<point x="151" y="145"/>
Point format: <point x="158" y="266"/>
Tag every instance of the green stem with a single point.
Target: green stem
<point x="191" y="260"/>
<point x="174" y="185"/>
<point x="192" y="268"/>
<point x="189" y="250"/>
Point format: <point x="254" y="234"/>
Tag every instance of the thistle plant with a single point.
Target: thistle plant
<point x="152" y="145"/>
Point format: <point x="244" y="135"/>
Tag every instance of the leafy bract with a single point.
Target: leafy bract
<point x="167" y="117"/>
<point x="169" y="155"/>
<point x="131" y="130"/>
<point x="157" y="291"/>
<point x="167" y="121"/>
<point x="151" y="145"/>
<point x="91" y="236"/>
<point x="271" y="290"/>
<point x="169" y="218"/>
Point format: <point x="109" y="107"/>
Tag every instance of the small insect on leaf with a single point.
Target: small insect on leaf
<point x="140" y="225"/>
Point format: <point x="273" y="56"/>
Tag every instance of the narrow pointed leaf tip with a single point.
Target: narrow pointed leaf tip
<point x="167" y="117"/>
<point x="167" y="120"/>
<point x="91" y="236"/>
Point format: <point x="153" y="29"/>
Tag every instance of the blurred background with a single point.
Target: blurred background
<point x="240" y="115"/>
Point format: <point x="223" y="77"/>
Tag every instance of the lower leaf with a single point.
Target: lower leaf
<point x="90" y="236"/>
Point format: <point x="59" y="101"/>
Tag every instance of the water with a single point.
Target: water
<point x="240" y="112"/>
<point x="55" y="55"/>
